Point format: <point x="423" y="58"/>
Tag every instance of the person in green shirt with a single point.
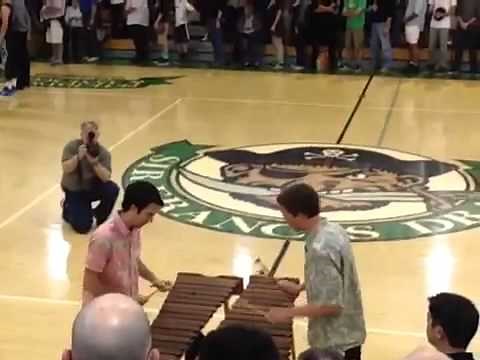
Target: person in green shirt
<point x="334" y="302"/>
<point x="354" y="10"/>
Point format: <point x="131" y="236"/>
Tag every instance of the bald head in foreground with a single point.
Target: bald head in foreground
<point x="111" y="327"/>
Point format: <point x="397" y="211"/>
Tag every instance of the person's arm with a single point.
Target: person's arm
<point x="362" y="7"/>
<point x="330" y="8"/>
<point x="145" y="273"/>
<point x="98" y="255"/>
<point x="92" y="286"/>
<point x="71" y="164"/>
<point x="453" y="9"/>
<point x="129" y="7"/>
<point x="415" y="12"/>
<point x="148" y="275"/>
<point x="71" y="157"/>
<point x="160" y="15"/>
<point x="314" y="311"/>
<point x="5" y="14"/>
<point x="68" y="16"/>
<point x="411" y="17"/>
<point x="389" y="12"/>
<point x="326" y="292"/>
<point x="102" y="172"/>
<point x="94" y="13"/>
<point x="277" y="19"/>
<point x="219" y="19"/>
<point x="190" y="7"/>
<point x="102" y="165"/>
<point x="431" y="6"/>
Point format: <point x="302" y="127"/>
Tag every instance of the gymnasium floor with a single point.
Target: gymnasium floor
<point x="41" y="259"/>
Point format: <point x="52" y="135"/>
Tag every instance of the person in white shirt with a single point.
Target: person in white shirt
<point x="74" y="23"/>
<point x="52" y="12"/>
<point x="414" y="25"/>
<point x="181" y="33"/>
<point x="138" y="18"/>
<point x="442" y="11"/>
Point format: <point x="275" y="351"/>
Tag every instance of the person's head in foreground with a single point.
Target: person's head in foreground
<point x="237" y="342"/>
<point x="452" y="322"/>
<point x="300" y="206"/>
<point x="111" y="327"/>
<point x="141" y="202"/>
<point x="316" y="354"/>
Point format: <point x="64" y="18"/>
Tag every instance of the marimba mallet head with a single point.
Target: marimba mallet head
<point x="262" y="269"/>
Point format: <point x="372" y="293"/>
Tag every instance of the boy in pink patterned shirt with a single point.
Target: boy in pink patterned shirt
<point x="113" y="262"/>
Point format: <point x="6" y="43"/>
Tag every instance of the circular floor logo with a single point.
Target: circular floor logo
<point x="375" y="193"/>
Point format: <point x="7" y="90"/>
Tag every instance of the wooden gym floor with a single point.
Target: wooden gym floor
<point x="41" y="259"/>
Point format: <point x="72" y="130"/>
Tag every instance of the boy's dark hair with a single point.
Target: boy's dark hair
<point x="238" y="342"/>
<point x="141" y="194"/>
<point x="457" y="316"/>
<point x="316" y="354"/>
<point x="300" y="199"/>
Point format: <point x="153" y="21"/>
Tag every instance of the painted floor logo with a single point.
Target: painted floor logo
<point x="99" y="83"/>
<point x="375" y="193"/>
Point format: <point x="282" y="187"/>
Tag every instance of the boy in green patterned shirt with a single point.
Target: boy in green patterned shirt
<point x="334" y="307"/>
<point x="354" y="10"/>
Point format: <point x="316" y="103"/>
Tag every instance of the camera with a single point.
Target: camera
<point x="93" y="148"/>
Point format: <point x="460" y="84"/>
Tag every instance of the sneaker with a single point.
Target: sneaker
<point x="357" y="68"/>
<point x="8" y="91"/>
<point x="278" y="67"/>
<point x="298" y="68"/>
<point x="384" y="71"/>
<point x="161" y="62"/>
<point x="93" y="59"/>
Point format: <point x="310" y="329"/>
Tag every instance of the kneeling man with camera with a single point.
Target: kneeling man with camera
<point x="87" y="168"/>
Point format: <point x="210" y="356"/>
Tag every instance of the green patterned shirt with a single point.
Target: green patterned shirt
<point x="331" y="279"/>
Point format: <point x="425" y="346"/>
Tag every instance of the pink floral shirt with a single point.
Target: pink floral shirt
<point x="113" y="253"/>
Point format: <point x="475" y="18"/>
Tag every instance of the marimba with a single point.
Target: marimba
<point x="194" y="299"/>
<point x="261" y="294"/>
<point x="190" y="304"/>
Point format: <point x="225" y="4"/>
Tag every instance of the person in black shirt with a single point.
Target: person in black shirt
<point x="452" y="323"/>
<point x="468" y="33"/>
<point x="381" y="14"/>
<point x="213" y="10"/>
<point x="163" y="17"/>
<point x="300" y="27"/>
<point x="323" y="27"/>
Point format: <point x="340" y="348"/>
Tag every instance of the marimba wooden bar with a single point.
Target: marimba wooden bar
<point x="261" y="294"/>
<point x="188" y="307"/>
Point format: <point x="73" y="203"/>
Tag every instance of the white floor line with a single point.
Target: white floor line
<point x="265" y="101"/>
<point x="413" y="109"/>
<point x="55" y="187"/>
<point x="335" y="106"/>
<point x="106" y="92"/>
